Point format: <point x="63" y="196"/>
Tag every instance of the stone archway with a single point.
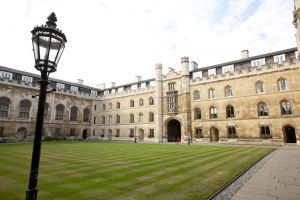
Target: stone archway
<point x="289" y="134"/>
<point x="21" y="134"/>
<point x="141" y="134"/>
<point x="84" y="134"/>
<point x="173" y="130"/>
<point x="214" y="134"/>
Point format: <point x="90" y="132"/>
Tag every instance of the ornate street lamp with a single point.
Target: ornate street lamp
<point x="48" y="45"/>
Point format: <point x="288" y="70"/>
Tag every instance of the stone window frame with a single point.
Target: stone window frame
<point x="5" y="104"/>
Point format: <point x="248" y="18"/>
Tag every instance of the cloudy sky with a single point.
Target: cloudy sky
<point x="115" y="40"/>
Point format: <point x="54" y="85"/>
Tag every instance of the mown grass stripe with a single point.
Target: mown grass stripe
<point x="111" y="170"/>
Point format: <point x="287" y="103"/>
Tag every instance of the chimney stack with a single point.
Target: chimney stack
<point x="194" y="65"/>
<point x="79" y="81"/>
<point x="138" y="78"/>
<point x="112" y="84"/>
<point x="245" y="54"/>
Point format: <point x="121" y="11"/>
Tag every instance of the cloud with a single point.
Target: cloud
<point x="115" y="40"/>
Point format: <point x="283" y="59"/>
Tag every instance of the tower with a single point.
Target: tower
<point x="186" y="102"/>
<point x="158" y="102"/>
<point x="296" y="22"/>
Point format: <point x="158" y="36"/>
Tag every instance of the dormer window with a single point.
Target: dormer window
<point x="7" y="75"/>
<point x="94" y="92"/>
<point x="134" y="87"/>
<point x="227" y="68"/>
<point x="27" y="79"/>
<point x="212" y="72"/>
<point x="197" y="74"/>
<point x="106" y="92"/>
<point x="258" y="62"/>
<point x="60" y="86"/>
<point x="279" y="58"/>
<point x="74" y="88"/>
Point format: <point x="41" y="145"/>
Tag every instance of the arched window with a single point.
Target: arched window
<point x="118" y="105"/>
<point x="109" y="119"/>
<point x="46" y="111"/>
<point x="151" y="117"/>
<point x="141" y="117"/>
<point x="110" y="106"/>
<point x="282" y="84"/>
<point x="229" y="111"/>
<point x="24" y="109"/>
<point x="103" y="107"/>
<point x="95" y="107"/>
<point x="59" y="112"/>
<point x="259" y="87"/>
<point x="228" y="91"/>
<point x="213" y="112"/>
<point x="131" y="118"/>
<point x="197" y="113"/>
<point x="286" y="107"/>
<point x="198" y="133"/>
<point x="262" y="109"/>
<point x="118" y="119"/>
<point x="151" y="101"/>
<point x="131" y="103"/>
<point x="196" y="95"/>
<point x="4" y="106"/>
<point x="141" y="102"/>
<point x="86" y="115"/>
<point x="73" y="114"/>
<point x="231" y="132"/>
<point x="265" y="132"/>
<point x="211" y="93"/>
<point x="102" y="120"/>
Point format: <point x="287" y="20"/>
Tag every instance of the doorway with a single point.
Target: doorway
<point x="173" y="130"/>
<point x="290" y="135"/>
<point x="84" y="134"/>
<point x="214" y="134"/>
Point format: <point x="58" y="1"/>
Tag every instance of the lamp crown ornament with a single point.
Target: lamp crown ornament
<point x="51" y="20"/>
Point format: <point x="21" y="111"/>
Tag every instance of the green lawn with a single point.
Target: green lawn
<point x="113" y="170"/>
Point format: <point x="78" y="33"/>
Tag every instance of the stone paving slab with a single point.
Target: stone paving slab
<point x="277" y="179"/>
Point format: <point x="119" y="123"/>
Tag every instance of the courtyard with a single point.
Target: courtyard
<point x="115" y="170"/>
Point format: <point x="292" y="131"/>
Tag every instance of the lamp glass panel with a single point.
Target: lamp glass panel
<point x="54" y="48"/>
<point x="44" y="47"/>
<point x="35" y="47"/>
<point x="62" y="46"/>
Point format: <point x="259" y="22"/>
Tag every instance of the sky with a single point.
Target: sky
<point x="116" y="40"/>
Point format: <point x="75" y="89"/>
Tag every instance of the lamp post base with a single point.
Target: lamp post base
<point x="31" y="194"/>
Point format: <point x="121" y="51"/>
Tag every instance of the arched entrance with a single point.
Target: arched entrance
<point x="21" y="134"/>
<point x="173" y="130"/>
<point x="84" y="134"/>
<point x="289" y="134"/>
<point x="214" y="134"/>
<point x="141" y="134"/>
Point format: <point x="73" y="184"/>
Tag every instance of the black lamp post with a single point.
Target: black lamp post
<point x="48" y="45"/>
<point x="135" y="139"/>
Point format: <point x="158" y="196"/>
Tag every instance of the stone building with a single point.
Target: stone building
<point x="253" y="99"/>
<point x="250" y="100"/>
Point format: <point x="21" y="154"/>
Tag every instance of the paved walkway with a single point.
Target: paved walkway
<point x="278" y="179"/>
